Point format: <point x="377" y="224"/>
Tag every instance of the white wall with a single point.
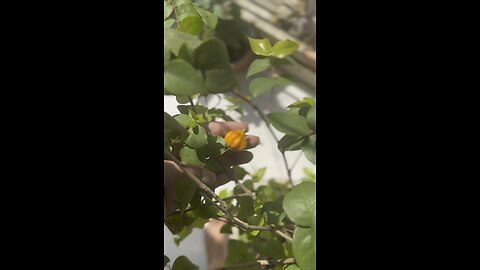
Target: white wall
<point x="265" y="155"/>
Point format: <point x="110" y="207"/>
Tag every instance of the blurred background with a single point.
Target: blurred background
<point x="275" y="20"/>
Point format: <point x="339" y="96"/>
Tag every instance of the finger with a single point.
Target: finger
<point x="221" y="128"/>
<point x="252" y="141"/>
<point x="235" y="158"/>
<point x="208" y="177"/>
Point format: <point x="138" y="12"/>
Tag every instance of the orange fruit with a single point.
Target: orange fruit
<point x="236" y="140"/>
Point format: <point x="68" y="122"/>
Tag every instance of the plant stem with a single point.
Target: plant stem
<point x="255" y="107"/>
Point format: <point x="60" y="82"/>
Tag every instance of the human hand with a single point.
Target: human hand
<point x="173" y="173"/>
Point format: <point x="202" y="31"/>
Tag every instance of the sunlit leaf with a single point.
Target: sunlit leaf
<point x="300" y="203"/>
<point x="284" y="48"/>
<point x="261" y="47"/>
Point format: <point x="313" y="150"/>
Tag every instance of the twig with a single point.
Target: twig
<point x="206" y="192"/>
<point x="175" y="11"/>
<point x="255" y="107"/>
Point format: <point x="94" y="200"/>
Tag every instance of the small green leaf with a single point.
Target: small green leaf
<point x="173" y="39"/>
<point x="284" y="48"/>
<point x="167" y="9"/>
<point x="185" y="189"/>
<point x="258" y="175"/>
<point x="165" y="260"/>
<point x="255" y="221"/>
<point x="261" y="85"/>
<point x="192" y="25"/>
<point x="309" y="149"/>
<point x="211" y="54"/>
<point x="303" y="251"/>
<point x="273" y="249"/>
<point x="312" y="117"/>
<point x="239" y="252"/>
<point x="271" y="212"/>
<point x="208" y="18"/>
<point x="239" y="172"/>
<point x="190" y="156"/>
<point x="183" y="263"/>
<point x="174" y="223"/>
<point x="197" y="138"/>
<point x="290" y="143"/>
<point x="258" y="66"/>
<point x="289" y="123"/>
<point x="300" y="203"/>
<point x="261" y="47"/>
<point x="291" y="267"/>
<point x="168" y="23"/>
<point x="181" y="79"/>
<point x="227" y="229"/>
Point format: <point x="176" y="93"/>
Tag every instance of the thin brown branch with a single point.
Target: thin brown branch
<point x="255" y="107"/>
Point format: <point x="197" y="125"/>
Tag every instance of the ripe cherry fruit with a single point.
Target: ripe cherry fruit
<point x="236" y="140"/>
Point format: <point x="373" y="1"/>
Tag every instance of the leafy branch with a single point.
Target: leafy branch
<point x="255" y="107"/>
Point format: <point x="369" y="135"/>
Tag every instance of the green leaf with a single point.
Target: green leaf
<point x="183" y="263"/>
<point x="312" y="117"/>
<point x="258" y="175"/>
<point x="165" y="260"/>
<point x="246" y="208"/>
<point x="303" y="251"/>
<point x="289" y="123"/>
<point x="290" y="143"/>
<point x="190" y="156"/>
<point x="272" y="249"/>
<point x="304" y="102"/>
<point x="309" y="149"/>
<point x="192" y="25"/>
<point x="291" y="267"/>
<point x="167" y="9"/>
<point x="255" y="221"/>
<point x="261" y="85"/>
<point x="239" y="172"/>
<point x="284" y="48"/>
<point x="185" y="10"/>
<point x="185" y="189"/>
<point x="258" y="66"/>
<point x="271" y="212"/>
<point x="185" y="120"/>
<point x="261" y="47"/>
<point x="181" y="79"/>
<point x="172" y="129"/>
<point x="197" y="138"/>
<point x="300" y="203"/>
<point x="239" y="252"/>
<point x="173" y="39"/>
<point x="168" y="23"/>
<point x="208" y="18"/>
<point x="219" y="80"/>
<point x="227" y="229"/>
<point x="211" y="54"/>
<point x="174" y="223"/>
